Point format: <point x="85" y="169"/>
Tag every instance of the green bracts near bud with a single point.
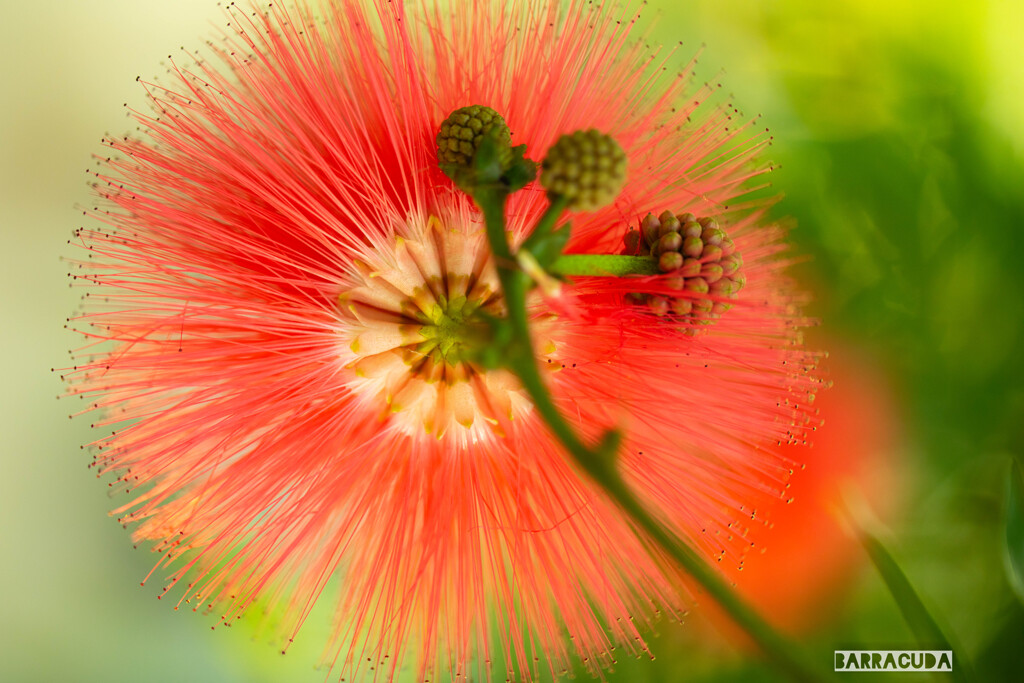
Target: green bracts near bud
<point x="474" y="150"/>
<point x="588" y="168"/>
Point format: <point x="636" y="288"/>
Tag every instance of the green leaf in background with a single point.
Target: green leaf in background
<point x="1015" y="530"/>
<point x="917" y="616"/>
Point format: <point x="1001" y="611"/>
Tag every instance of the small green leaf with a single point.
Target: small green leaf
<point x="549" y="248"/>
<point x="520" y="171"/>
<point x="1014" y="554"/>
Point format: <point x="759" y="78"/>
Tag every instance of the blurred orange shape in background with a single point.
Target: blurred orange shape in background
<point x="808" y="559"/>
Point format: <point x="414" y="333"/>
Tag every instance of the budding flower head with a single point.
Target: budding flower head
<point x="700" y="260"/>
<point x="463" y="131"/>
<point x="586" y="167"/>
<point x="474" y="150"/>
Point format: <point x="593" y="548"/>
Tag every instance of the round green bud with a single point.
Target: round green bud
<point x="675" y="282"/>
<point x="711" y="272"/>
<point x="693" y="247"/>
<point x="730" y="264"/>
<point x="631" y="242"/>
<point x="670" y="242"/>
<point x="702" y="307"/>
<point x="711" y="254"/>
<point x="669" y="223"/>
<point x="586" y="167"/>
<point x="691" y="229"/>
<point x="681" y="306"/>
<point x="698" y="285"/>
<point x="463" y="131"/>
<point x="669" y="261"/>
<point x="712" y="235"/>
<point x="658" y="305"/>
<point x="691" y="268"/>
<point x="723" y="288"/>
<point x="650" y="226"/>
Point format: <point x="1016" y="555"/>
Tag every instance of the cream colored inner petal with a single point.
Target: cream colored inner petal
<point x="407" y="315"/>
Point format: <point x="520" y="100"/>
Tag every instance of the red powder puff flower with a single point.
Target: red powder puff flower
<point x="270" y="307"/>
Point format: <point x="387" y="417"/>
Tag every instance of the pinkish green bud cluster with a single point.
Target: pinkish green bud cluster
<point x="699" y="259"/>
<point x="464" y="129"/>
<point x="586" y="167"/>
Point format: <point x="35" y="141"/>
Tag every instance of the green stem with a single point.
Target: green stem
<point x="557" y="205"/>
<point x="615" y="265"/>
<point x="600" y="462"/>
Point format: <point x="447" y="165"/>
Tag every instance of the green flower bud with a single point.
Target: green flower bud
<point x="702" y="265"/>
<point x="669" y="261"/>
<point x="669" y="223"/>
<point x="464" y="129"/>
<point x="631" y="242"/>
<point x="658" y="305"/>
<point x="650" y="226"/>
<point x="693" y="247"/>
<point x="587" y="167"/>
<point x="670" y="242"/>
<point x="730" y="264"/>
<point x="697" y="285"/>
<point x="723" y="288"/>
<point x="682" y="306"/>
<point x="711" y="272"/>
<point x="675" y="282"/>
<point x="711" y="253"/>
<point x="691" y="268"/>
<point x="712" y="235"/>
<point x="702" y="308"/>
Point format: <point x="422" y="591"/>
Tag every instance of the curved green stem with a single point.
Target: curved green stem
<point x="600" y="462"/>
<point x="546" y="225"/>
<point x="615" y="265"/>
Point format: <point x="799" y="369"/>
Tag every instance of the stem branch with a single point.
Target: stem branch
<point x="614" y="265"/>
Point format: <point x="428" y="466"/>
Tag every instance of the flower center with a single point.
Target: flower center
<point x="448" y="328"/>
<point x="411" y="317"/>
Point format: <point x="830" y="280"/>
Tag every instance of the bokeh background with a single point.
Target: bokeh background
<point x="898" y="128"/>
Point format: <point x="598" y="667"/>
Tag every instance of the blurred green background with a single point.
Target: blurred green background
<point x="897" y="125"/>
